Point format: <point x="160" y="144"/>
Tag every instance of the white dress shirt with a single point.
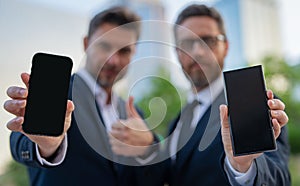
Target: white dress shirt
<point x="109" y="112"/>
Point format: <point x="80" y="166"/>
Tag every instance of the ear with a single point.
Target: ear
<point x="179" y="55"/>
<point x="178" y="52"/>
<point x="226" y="47"/>
<point x="134" y="48"/>
<point x="85" y="43"/>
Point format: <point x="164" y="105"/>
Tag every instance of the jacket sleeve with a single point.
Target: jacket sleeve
<point x="272" y="167"/>
<point x="23" y="150"/>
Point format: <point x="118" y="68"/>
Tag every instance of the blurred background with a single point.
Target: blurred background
<point x="259" y="31"/>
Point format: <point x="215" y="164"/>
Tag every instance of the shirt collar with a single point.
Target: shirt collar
<point x="209" y="94"/>
<point x="95" y="88"/>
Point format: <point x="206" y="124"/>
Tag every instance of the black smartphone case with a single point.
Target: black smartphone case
<point x="249" y="115"/>
<point x="47" y="94"/>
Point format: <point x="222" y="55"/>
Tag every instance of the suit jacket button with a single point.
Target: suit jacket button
<point x="25" y="155"/>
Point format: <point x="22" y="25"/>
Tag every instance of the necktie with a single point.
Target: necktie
<point x="186" y="120"/>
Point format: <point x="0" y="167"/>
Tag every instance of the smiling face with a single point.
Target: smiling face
<point x="202" y="59"/>
<point x="109" y="51"/>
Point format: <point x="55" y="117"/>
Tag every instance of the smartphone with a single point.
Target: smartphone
<point x="47" y="94"/>
<point x="249" y="114"/>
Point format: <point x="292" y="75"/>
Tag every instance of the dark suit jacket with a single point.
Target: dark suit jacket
<point x="83" y="165"/>
<point x="204" y="166"/>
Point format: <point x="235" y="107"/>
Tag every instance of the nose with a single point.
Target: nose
<point x="114" y="59"/>
<point x="199" y="48"/>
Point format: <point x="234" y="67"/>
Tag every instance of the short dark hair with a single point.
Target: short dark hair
<point x="200" y="10"/>
<point x="117" y="15"/>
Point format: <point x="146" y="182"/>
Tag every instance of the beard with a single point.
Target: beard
<point x="199" y="80"/>
<point x="108" y="76"/>
<point x="201" y="72"/>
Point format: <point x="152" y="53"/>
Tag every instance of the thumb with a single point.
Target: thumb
<point x="130" y="109"/>
<point x="270" y="94"/>
<point x="25" y="78"/>
<point x="224" y="116"/>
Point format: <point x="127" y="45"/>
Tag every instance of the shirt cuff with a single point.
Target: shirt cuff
<point x="146" y="160"/>
<point x="59" y="157"/>
<point x="246" y="178"/>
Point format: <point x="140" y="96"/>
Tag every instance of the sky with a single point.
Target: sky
<point x="288" y="10"/>
<point x="19" y="38"/>
<point x="289" y="18"/>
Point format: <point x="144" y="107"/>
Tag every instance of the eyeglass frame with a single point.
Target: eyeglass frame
<point x="204" y="39"/>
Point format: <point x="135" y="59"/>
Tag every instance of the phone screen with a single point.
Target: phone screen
<point x="249" y="115"/>
<point x="47" y="94"/>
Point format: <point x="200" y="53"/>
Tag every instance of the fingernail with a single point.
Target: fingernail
<point x="275" y="113"/>
<point x="20" y="102"/>
<point x="18" y="119"/>
<point x="22" y="92"/>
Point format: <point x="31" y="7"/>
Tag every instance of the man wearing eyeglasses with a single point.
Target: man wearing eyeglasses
<point x="205" y="157"/>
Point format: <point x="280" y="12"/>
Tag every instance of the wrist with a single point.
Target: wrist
<point x="49" y="150"/>
<point x="240" y="167"/>
<point x="150" y="139"/>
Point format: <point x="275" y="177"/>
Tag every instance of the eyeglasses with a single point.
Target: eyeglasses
<point x="211" y="41"/>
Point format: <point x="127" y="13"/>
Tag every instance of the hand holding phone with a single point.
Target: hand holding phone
<point x="48" y="83"/>
<point x="47" y="145"/>
<point x="249" y="116"/>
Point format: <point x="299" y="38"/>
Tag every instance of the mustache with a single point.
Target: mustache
<point x="194" y="64"/>
<point x="110" y="67"/>
<point x="200" y="60"/>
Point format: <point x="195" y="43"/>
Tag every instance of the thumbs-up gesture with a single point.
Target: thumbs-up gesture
<point x="130" y="137"/>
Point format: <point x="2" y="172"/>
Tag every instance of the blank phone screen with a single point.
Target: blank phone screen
<point x="249" y="115"/>
<point x="47" y="95"/>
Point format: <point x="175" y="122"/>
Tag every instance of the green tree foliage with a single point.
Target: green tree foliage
<point x="15" y="175"/>
<point x="284" y="80"/>
<point x="169" y="101"/>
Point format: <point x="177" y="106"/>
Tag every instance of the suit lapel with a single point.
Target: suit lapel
<point x="205" y="132"/>
<point x="88" y="119"/>
<point x="213" y="126"/>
